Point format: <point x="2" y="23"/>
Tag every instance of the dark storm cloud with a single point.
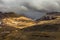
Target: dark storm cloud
<point x="30" y="8"/>
<point x="1" y="2"/>
<point x="41" y="5"/>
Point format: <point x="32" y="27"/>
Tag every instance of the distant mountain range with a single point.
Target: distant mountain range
<point x="53" y="13"/>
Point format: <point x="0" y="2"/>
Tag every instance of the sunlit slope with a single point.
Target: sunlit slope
<point x="18" y="27"/>
<point x="53" y="21"/>
<point x="18" y="22"/>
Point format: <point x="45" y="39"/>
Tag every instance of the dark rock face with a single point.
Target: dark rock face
<point x="50" y="16"/>
<point x="54" y="13"/>
<point x="47" y="18"/>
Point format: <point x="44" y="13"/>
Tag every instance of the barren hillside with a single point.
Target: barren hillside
<point x="19" y="27"/>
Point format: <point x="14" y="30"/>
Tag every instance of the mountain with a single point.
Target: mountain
<point x="19" y="27"/>
<point x="18" y="21"/>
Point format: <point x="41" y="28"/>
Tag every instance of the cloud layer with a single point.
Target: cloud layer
<point x="30" y="8"/>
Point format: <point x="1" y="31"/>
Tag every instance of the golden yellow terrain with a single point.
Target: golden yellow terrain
<point x="23" y="22"/>
<point x="22" y="28"/>
<point x="54" y="21"/>
<point x="18" y="22"/>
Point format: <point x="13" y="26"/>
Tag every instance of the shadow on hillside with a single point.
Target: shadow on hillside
<point x="8" y="14"/>
<point x="50" y="28"/>
<point x="11" y="33"/>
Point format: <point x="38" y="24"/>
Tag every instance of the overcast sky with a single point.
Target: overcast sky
<point x="31" y="8"/>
